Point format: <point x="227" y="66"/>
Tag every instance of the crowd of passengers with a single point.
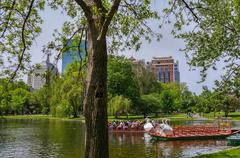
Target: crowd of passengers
<point x="127" y="125"/>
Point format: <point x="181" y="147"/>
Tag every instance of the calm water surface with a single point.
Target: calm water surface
<point x="65" y="139"/>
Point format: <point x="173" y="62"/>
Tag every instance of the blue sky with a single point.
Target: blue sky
<point x="168" y="46"/>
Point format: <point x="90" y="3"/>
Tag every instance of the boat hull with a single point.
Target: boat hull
<point x="203" y="137"/>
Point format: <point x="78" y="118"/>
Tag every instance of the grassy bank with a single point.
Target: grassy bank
<point x="231" y="153"/>
<point x="110" y="118"/>
<point x="233" y="115"/>
<point x="38" y="117"/>
<point x="172" y="117"/>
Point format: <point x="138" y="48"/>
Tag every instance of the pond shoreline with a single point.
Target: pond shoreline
<point x="180" y="117"/>
<point x="40" y="117"/>
<point x="231" y="152"/>
<point x="176" y="117"/>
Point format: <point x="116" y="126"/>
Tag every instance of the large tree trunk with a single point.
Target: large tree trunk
<point x="95" y="101"/>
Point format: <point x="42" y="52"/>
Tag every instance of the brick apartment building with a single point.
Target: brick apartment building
<point x="165" y="69"/>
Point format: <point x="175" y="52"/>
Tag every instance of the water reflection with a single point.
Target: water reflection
<point x="44" y="138"/>
<point x="65" y="139"/>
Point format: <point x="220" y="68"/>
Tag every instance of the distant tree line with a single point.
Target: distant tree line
<point x="132" y="89"/>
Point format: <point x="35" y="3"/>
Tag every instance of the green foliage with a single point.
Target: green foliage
<point x="19" y="98"/>
<point x="119" y="105"/>
<point x="19" y="26"/>
<point x="67" y="92"/>
<point x="188" y="101"/>
<point x="14" y="97"/>
<point x="216" y="101"/>
<point x="149" y="103"/>
<point x="167" y="102"/>
<point x="121" y="79"/>
<point x="131" y="21"/>
<point x="146" y="79"/>
<point x="64" y="109"/>
<point x="215" y="36"/>
<point x="172" y="96"/>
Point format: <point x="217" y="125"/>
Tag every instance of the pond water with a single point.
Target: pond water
<point x="65" y="139"/>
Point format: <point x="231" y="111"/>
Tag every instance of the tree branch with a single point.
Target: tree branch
<point x="87" y="11"/>
<point x="108" y="19"/>
<point x="9" y="17"/>
<point x="100" y="5"/>
<point x="20" y="59"/>
<point x="80" y="56"/>
<point x="191" y="10"/>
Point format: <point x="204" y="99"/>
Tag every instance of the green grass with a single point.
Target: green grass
<point x="38" y="117"/>
<point x="172" y="117"/>
<point x="110" y="118"/>
<point x="232" y="153"/>
<point x="182" y="117"/>
<point x="233" y="115"/>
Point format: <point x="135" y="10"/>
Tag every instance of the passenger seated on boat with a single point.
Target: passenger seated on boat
<point x="129" y="123"/>
<point x="120" y="126"/>
<point x="112" y="125"/>
<point x="133" y="125"/>
<point x="125" y="126"/>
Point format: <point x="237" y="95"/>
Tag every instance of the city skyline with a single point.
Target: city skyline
<point x="168" y="46"/>
<point x="37" y="79"/>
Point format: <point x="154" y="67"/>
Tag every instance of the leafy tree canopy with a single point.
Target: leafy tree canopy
<point x="215" y="35"/>
<point x="121" y="78"/>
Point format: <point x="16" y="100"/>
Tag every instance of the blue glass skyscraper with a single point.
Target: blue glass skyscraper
<point x="73" y="54"/>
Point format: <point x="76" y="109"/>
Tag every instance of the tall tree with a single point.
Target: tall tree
<point x="21" y="21"/>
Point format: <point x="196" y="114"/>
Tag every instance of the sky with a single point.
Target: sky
<point x="167" y="46"/>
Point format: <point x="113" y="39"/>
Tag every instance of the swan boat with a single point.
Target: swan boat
<point x="193" y="132"/>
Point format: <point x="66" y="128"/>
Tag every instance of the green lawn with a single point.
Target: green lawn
<point x="110" y="118"/>
<point x="233" y="115"/>
<point x="37" y="117"/>
<point x="232" y="153"/>
<point x="140" y="117"/>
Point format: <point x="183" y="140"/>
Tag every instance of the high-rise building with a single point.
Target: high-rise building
<point x="165" y="69"/>
<point x="73" y="54"/>
<point x="38" y="78"/>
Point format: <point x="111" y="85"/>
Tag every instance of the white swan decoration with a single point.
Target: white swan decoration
<point x="166" y="129"/>
<point x="148" y="126"/>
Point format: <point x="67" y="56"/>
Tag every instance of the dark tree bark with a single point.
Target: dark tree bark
<point x="95" y="101"/>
